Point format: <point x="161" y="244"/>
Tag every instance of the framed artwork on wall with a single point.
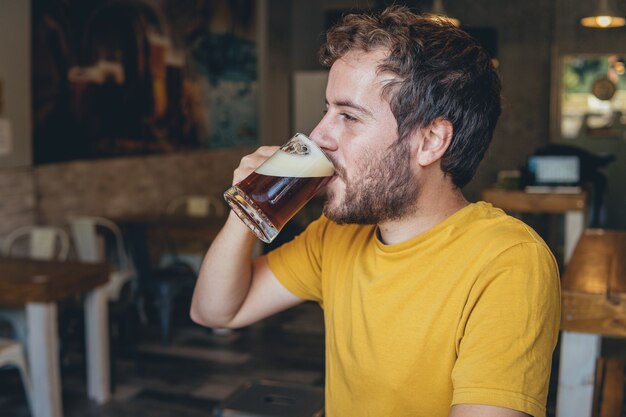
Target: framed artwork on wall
<point x="128" y="77"/>
<point x="592" y="97"/>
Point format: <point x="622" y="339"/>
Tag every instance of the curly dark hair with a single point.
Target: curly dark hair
<point x="442" y="72"/>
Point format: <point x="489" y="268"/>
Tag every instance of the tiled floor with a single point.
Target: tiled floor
<point x="198" y="370"/>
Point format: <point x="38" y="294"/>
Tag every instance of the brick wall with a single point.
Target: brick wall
<point x="48" y="194"/>
<point x="17" y="199"/>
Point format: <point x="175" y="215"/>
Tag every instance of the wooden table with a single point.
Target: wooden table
<point x="573" y="206"/>
<point x="168" y="233"/>
<point x="593" y="305"/>
<point x="38" y="285"/>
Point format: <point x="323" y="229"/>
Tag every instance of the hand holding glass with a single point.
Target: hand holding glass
<point x="269" y="197"/>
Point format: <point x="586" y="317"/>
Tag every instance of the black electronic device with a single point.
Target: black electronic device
<point x="566" y="169"/>
<point x="553" y="170"/>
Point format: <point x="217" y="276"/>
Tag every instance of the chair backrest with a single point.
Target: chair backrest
<point x="196" y="206"/>
<point x="42" y="242"/>
<point x="98" y="239"/>
<point x="90" y="239"/>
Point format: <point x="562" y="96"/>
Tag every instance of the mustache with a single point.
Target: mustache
<point x="340" y="170"/>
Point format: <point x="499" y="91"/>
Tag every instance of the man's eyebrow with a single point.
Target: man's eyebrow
<point x="352" y="105"/>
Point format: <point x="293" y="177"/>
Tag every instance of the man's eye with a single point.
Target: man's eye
<point x="348" y="117"/>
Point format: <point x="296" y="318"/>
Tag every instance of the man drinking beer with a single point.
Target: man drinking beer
<point x="433" y="306"/>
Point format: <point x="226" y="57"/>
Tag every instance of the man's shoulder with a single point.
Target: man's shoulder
<point x="493" y="227"/>
<point x="504" y="243"/>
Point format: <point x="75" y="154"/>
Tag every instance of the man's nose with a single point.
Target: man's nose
<point x="323" y="136"/>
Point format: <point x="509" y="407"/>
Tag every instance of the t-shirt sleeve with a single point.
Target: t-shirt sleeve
<point x="298" y="264"/>
<point x="508" y="332"/>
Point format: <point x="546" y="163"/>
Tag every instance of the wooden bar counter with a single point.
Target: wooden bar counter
<point x="593" y="305"/>
<point x="594" y="285"/>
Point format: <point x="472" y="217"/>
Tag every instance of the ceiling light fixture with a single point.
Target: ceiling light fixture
<point x="603" y="18"/>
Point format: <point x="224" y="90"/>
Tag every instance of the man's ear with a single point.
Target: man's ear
<point x="436" y="138"/>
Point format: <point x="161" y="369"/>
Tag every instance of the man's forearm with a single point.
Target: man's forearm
<point x="224" y="278"/>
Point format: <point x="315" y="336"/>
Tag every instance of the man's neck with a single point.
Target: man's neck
<point x="431" y="208"/>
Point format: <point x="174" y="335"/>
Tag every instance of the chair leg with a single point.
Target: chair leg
<point x="165" y="311"/>
<point x="28" y="386"/>
<point x="113" y="352"/>
<point x="132" y="335"/>
<point x="141" y="310"/>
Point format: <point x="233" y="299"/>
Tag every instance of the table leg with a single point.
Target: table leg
<point x="97" y="340"/>
<point x="577" y="370"/>
<point x="43" y="359"/>
<point x="574" y="226"/>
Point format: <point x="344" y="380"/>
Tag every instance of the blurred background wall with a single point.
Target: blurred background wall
<point x="531" y="37"/>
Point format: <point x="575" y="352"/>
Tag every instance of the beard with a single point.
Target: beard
<point x="384" y="188"/>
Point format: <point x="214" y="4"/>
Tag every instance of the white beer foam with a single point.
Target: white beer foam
<point x="283" y="164"/>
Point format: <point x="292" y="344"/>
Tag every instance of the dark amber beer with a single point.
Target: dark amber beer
<point x="269" y="197"/>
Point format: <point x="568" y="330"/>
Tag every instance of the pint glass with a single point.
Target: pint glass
<point x="280" y="187"/>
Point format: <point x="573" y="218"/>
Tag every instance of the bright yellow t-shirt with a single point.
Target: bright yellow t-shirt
<point x="465" y="313"/>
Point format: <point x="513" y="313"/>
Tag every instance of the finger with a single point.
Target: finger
<point x="267" y="151"/>
<point x="258" y="157"/>
<point x="252" y="161"/>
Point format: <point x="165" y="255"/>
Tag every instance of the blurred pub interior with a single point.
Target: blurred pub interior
<point x="116" y="108"/>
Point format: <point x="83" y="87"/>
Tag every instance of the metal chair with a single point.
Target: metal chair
<point x="164" y="282"/>
<point x="37" y="242"/>
<point x="97" y="239"/>
<point x="197" y="206"/>
<point x="12" y="354"/>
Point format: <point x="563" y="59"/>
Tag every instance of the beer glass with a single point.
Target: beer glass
<point x="280" y="187"/>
